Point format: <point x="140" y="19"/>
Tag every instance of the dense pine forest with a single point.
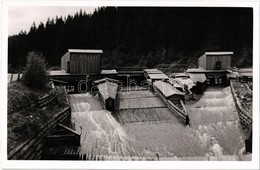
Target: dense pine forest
<point x="139" y="36"/>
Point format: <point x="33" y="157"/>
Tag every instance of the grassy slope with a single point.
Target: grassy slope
<point x="24" y="121"/>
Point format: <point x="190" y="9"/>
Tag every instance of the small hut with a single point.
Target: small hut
<point x="108" y="95"/>
<point x="82" y="61"/>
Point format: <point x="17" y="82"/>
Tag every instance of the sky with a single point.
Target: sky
<point x="22" y="17"/>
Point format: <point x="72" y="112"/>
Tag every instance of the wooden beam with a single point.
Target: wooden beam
<point x="68" y="129"/>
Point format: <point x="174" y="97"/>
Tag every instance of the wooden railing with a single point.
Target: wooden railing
<point x="14" y="77"/>
<point x="44" y="102"/>
<point x="181" y="115"/>
<point x="32" y="148"/>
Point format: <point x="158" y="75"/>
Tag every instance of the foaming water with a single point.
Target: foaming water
<point x="214" y="131"/>
<point x="100" y="133"/>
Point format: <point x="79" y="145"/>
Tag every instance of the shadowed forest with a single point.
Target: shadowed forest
<point x="139" y="36"/>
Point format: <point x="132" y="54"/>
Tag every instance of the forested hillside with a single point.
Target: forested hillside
<point x="143" y="36"/>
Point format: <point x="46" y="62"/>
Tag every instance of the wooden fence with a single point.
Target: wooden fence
<point x="32" y="148"/>
<point x="44" y="102"/>
<point x="14" y="77"/>
<point x="244" y="116"/>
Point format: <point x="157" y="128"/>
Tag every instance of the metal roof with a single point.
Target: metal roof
<point x="85" y="51"/>
<point x="108" y="90"/>
<point x="153" y="71"/>
<point x="109" y="71"/>
<point x="167" y="89"/>
<point x="158" y="76"/>
<point x="219" y="53"/>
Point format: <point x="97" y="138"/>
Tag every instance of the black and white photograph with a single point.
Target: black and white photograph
<point x="136" y="83"/>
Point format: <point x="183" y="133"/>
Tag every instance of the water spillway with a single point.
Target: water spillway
<point x="153" y="133"/>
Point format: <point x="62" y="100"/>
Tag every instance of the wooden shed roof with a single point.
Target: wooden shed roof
<point x="113" y="71"/>
<point x="108" y="90"/>
<point x="167" y="89"/>
<point x="219" y="53"/>
<point x="158" y="76"/>
<point x="92" y="51"/>
<point x="153" y="71"/>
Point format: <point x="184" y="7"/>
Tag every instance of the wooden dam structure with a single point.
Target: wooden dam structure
<point x="161" y="101"/>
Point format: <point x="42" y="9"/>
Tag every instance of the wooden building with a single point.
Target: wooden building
<point x="108" y="95"/>
<point x="168" y="92"/>
<point x="215" y="60"/>
<point x="81" y="61"/>
<point x="214" y="66"/>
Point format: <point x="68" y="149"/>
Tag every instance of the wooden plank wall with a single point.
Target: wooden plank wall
<point x="202" y="61"/>
<point x="212" y="59"/>
<point x="85" y="63"/>
<point x="64" y="59"/>
<point x="208" y="62"/>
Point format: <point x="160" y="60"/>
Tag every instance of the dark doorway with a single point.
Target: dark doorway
<point x="218" y="65"/>
<point x="110" y="104"/>
<point x="68" y="67"/>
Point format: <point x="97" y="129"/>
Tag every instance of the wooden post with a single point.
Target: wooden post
<point x="11" y="79"/>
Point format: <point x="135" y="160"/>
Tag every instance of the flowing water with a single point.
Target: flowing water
<point x="214" y="131"/>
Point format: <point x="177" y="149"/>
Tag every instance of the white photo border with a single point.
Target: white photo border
<point x="9" y="164"/>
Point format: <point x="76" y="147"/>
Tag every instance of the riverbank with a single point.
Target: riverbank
<point x="25" y="118"/>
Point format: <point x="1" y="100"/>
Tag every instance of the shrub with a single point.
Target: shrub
<point x="34" y="74"/>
